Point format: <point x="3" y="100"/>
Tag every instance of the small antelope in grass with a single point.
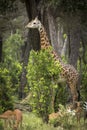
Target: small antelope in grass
<point x="12" y="119"/>
<point x="18" y="118"/>
<point x="55" y="115"/>
<point x="7" y="116"/>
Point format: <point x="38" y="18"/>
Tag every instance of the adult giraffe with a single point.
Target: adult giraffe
<point x="67" y="71"/>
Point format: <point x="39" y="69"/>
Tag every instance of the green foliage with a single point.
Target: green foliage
<point x="33" y="122"/>
<point x="66" y="119"/>
<point x="82" y="66"/>
<point x="1" y="125"/>
<point x="11" y="47"/>
<point x="10" y="70"/>
<point x="6" y="5"/>
<point x="42" y="75"/>
<point x="61" y="95"/>
<point x="5" y="89"/>
<point x="12" y="53"/>
<point x="84" y="81"/>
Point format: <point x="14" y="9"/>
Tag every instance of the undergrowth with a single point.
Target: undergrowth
<point x="32" y="122"/>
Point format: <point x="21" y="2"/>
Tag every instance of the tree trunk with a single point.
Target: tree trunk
<point x="52" y="31"/>
<point x="64" y="49"/>
<point x="74" y="41"/>
<point x="31" y="43"/>
<point x="23" y="81"/>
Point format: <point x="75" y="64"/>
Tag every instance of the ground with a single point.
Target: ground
<point x="32" y="122"/>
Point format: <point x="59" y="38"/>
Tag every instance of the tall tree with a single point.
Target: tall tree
<point x="31" y="43"/>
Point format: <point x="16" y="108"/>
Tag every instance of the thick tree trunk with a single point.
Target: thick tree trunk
<point x="52" y="31"/>
<point x="23" y="81"/>
<point x="31" y="43"/>
<point x="74" y="41"/>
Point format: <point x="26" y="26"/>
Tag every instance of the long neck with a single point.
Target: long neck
<point x="45" y="44"/>
<point x="44" y="41"/>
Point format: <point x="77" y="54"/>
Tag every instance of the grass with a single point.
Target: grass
<point x="32" y="122"/>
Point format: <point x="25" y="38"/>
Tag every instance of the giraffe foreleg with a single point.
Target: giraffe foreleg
<point x="74" y="92"/>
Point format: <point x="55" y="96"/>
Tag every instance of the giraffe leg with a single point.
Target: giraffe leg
<point x="74" y="93"/>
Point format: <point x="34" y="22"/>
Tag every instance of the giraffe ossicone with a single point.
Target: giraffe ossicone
<point x="68" y="71"/>
<point x="34" y="24"/>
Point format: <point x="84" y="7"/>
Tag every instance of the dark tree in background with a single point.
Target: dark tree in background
<point x="32" y="42"/>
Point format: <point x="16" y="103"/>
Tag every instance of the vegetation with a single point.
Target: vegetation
<point x="10" y="70"/>
<point x="84" y="82"/>
<point x="35" y="73"/>
<point x="32" y="122"/>
<point x="6" y="101"/>
<point x="6" y="6"/>
<point x="43" y="75"/>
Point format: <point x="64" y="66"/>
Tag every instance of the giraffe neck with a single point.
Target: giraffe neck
<point x="45" y="44"/>
<point x="44" y="41"/>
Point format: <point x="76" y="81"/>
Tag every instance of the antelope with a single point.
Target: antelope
<point x="18" y="118"/>
<point x="12" y="119"/>
<point x="7" y="116"/>
<point x="55" y="115"/>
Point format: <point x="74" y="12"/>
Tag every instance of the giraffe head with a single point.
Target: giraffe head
<point x="34" y="24"/>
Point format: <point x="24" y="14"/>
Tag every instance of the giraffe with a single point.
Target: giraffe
<point x="68" y="72"/>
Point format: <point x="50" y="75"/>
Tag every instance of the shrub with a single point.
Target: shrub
<point x="66" y="118"/>
<point x="5" y="89"/>
<point x="42" y="75"/>
<point x="12" y="57"/>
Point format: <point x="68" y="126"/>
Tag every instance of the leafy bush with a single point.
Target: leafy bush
<point x="66" y="118"/>
<point x="42" y="75"/>
<point x="5" y="90"/>
<point x="12" y="47"/>
<point x="12" y="54"/>
<point x="33" y="122"/>
<point x="10" y="69"/>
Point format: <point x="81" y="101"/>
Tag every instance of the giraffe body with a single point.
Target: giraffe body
<point x="68" y="71"/>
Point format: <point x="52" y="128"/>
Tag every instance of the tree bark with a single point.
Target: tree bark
<point x="52" y="31"/>
<point x="74" y="41"/>
<point x="23" y="81"/>
<point x="64" y="49"/>
<point x="31" y="43"/>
